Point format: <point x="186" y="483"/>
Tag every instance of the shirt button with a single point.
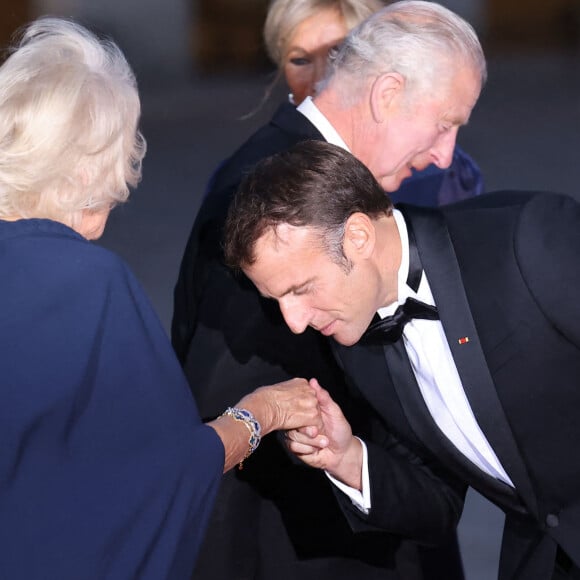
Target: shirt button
<point x="552" y="520"/>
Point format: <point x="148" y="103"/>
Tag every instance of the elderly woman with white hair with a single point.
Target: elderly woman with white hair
<point x="106" y="469"/>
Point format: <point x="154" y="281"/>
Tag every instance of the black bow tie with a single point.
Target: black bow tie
<point x="390" y="328"/>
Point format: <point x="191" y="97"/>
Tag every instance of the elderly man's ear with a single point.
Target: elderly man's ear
<point x="385" y="91"/>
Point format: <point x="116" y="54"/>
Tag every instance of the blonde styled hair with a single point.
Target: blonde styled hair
<point x="69" y="114"/>
<point x="284" y="16"/>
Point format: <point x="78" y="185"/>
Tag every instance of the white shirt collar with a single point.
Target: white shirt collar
<point x="313" y="114"/>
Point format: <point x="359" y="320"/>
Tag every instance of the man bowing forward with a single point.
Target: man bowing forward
<point x="459" y="325"/>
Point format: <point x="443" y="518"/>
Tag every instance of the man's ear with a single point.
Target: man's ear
<point x="385" y="89"/>
<point x="359" y="236"/>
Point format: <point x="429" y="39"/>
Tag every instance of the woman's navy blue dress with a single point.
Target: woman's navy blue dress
<point x="106" y="471"/>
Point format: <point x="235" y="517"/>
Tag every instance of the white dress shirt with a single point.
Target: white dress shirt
<point x="429" y="355"/>
<point x="438" y="380"/>
<point x="313" y="114"/>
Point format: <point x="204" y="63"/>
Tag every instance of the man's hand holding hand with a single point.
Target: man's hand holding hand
<point x="333" y="448"/>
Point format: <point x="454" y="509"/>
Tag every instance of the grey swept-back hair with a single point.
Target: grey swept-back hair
<point x="423" y="41"/>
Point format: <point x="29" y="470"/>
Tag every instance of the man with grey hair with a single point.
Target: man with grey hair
<point x="399" y="88"/>
<point x="413" y="67"/>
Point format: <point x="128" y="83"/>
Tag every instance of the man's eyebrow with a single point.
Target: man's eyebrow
<point x="297" y="287"/>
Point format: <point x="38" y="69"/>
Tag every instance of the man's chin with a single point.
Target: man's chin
<point x="392" y="183"/>
<point x="346" y="340"/>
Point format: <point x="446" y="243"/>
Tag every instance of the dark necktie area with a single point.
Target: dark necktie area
<point x="390" y="329"/>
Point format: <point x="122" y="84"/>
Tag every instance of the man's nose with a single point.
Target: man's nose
<point x="295" y="314"/>
<point x="442" y="150"/>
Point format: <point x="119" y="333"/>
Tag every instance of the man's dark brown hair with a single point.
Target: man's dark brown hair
<point x="313" y="184"/>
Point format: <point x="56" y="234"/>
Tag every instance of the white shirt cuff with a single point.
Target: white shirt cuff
<point x="360" y="499"/>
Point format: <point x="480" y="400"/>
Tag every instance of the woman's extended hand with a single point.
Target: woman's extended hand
<point x="292" y="404"/>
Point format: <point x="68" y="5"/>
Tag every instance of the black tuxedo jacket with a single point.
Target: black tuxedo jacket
<point x="504" y="270"/>
<point x="208" y="294"/>
<point x="276" y="512"/>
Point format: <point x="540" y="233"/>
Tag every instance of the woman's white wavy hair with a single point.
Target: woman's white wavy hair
<point x="69" y="114"/>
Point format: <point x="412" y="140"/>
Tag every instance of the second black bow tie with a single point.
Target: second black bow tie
<point x="390" y="328"/>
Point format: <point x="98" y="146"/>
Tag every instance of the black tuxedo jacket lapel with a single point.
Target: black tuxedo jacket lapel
<point x="440" y="264"/>
<point x="409" y="417"/>
<point x="291" y="121"/>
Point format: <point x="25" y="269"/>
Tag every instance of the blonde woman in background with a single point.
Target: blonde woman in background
<point x="299" y="34"/>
